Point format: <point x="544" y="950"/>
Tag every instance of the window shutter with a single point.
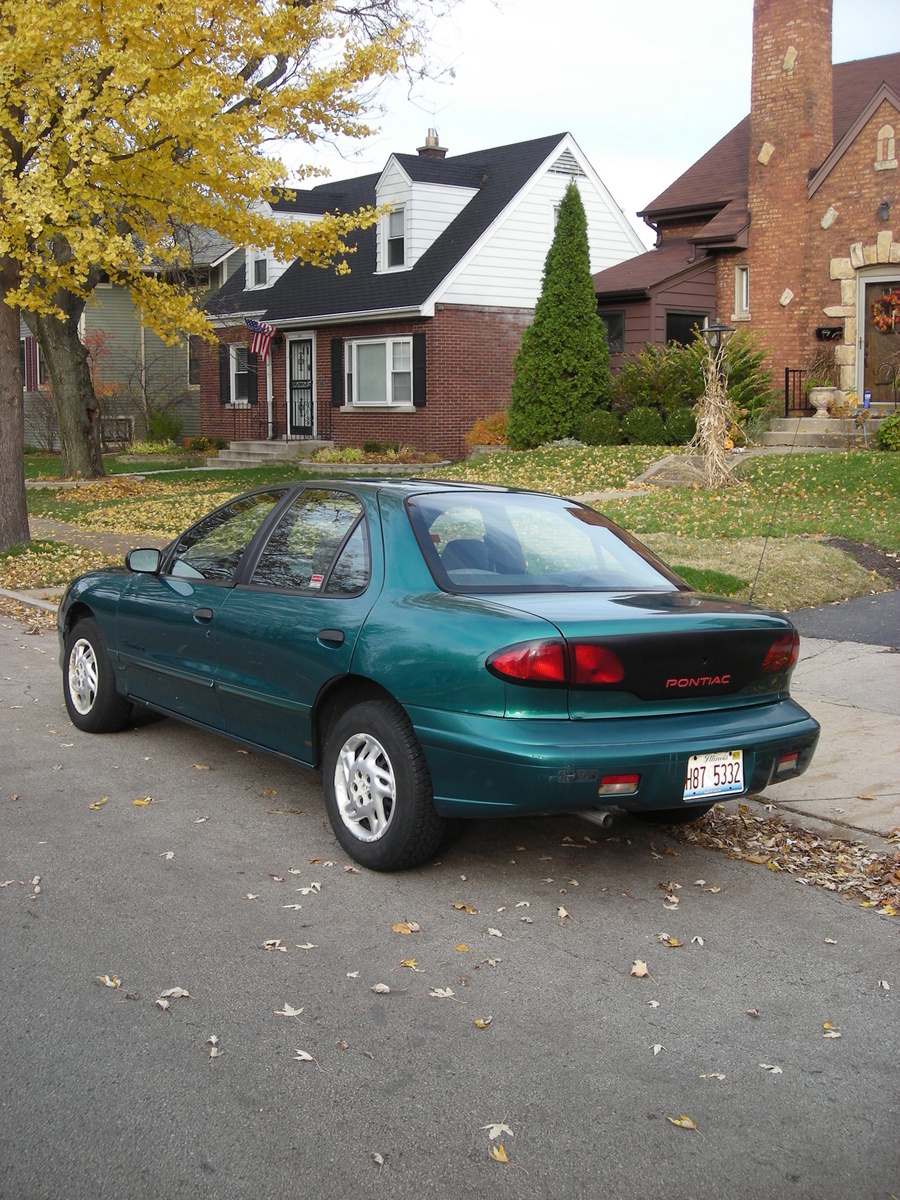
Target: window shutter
<point x="419" y="370"/>
<point x="224" y="374"/>
<point x="252" y="378"/>
<point x="337" y="372"/>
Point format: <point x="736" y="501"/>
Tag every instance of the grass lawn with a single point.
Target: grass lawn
<point x="714" y="538"/>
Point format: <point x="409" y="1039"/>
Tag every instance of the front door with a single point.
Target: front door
<point x="301" y="419"/>
<point x="882" y="332"/>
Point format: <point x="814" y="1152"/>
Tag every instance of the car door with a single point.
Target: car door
<point x="293" y="625"/>
<point x="166" y="623"/>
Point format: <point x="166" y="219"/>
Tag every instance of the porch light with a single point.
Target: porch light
<point x="716" y="335"/>
<point x="884" y="210"/>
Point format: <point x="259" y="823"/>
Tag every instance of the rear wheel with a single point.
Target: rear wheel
<point x="672" y="816"/>
<point x="89" y="685"/>
<point x="378" y="789"/>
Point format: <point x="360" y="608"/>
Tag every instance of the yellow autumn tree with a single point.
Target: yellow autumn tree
<point x="124" y="123"/>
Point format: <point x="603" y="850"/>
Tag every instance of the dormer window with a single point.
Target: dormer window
<point x="396" y="239"/>
<point x="260" y="272"/>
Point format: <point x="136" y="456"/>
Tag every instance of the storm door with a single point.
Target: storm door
<point x="300" y="388"/>
<point x="882" y="347"/>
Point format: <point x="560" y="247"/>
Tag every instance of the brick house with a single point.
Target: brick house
<point x="418" y="340"/>
<point x="786" y="225"/>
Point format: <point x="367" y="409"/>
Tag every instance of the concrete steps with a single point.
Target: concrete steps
<point x="262" y="453"/>
<point x="826" y="433"/>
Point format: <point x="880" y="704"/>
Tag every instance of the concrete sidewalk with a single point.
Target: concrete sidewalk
<point x="848" y="678"/>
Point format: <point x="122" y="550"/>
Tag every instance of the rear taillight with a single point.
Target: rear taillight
<point x="782" y="654"/>
<point x="555" y="662"/>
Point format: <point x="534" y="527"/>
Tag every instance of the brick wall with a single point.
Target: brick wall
<point x="469" y="371"/>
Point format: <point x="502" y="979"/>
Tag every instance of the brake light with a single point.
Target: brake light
<point x="592" y="663"/>
<point x="530" y="662"/>
<point x="782" y="655"/>
<point x="618" y="785"/>
<point x="577" y="664"/>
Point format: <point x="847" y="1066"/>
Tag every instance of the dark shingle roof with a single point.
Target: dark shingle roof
<point x="305" y="291"/>
<point x="722" y="174"/>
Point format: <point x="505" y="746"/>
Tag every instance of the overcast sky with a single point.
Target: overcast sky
<point x="644" y="86"/>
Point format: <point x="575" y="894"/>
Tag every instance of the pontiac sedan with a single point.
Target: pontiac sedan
<point x="441" y="651"/>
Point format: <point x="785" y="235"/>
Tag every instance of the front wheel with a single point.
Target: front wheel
<point x="378" y="789"/>
<point x="89" y="685"/>
<point x="671" y="816"/>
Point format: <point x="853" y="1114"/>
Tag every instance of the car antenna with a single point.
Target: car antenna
<point x="774" y="510"/>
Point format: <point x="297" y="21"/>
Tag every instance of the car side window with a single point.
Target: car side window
<point x="319" y="545"/>
<point x="213" y="547"/>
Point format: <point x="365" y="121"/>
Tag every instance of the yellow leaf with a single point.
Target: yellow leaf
<point x="97" y="803"/>
<point x="141" y="803"/>
<point x="466" y="907"/>
<point x="498" y="1154"/>
<point x="412" y="964"/>
<point x="202" y="767"/>
<point x="461" y="947"/>
<point x="682" y="1121"/>
<point x="483" y="1022"/>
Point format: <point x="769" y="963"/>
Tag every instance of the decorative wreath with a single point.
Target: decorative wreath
<point x="886" y="311"/>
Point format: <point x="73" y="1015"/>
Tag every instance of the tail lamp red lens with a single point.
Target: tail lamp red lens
<point x="566" y="664"/>
<point x="782" y="655"/>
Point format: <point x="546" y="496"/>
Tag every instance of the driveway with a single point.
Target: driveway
<point x="512" y="1016"/>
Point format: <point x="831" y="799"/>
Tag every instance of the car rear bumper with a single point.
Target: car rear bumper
<point x="498" y="766"/>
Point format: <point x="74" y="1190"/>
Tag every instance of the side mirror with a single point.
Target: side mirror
<point x="143" y="562"/>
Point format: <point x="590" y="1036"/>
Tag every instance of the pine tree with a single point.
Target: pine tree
<point x="562" y="368"/>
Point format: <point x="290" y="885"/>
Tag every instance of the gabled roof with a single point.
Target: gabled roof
<point x="305" y="292"/>
<point x="723" y="173"/>
<point x="636" y="278"/>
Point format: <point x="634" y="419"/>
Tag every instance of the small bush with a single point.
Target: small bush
<point x="205" y="445"/>
<point x="163" y="427"/>
<point x="680" y="427"/>
<point x="643" y="427"/>
<point x="889" y="433"/>
<point x="488" y="431"/>
<point x="600" y="428"/>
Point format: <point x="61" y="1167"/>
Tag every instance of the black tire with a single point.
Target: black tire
<point x="672" y="816"/>
<point x="378" y="790"/>
<point x="89" y="684"/>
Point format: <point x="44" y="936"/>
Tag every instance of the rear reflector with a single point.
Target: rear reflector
<point x="573" y="664"/>
<point x="618" y="785"/>
<point x="787" y="762"/>
<point x="782" y="654"/>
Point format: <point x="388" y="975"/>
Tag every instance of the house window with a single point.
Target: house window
<point x="43" y="371"/>
<point x="193" y="349"/>
<point x="741" y="292"/>
<point x="240" y="375"/>
<point x="380" y="372"/>
<point x="682" y="327"/>
<point x="260" y="272"/>
<point x="614" y="323"/>
<point x="886" y="149"/>
<point x="396" y="238"/>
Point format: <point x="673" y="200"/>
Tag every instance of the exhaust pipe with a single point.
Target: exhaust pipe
<point x="597" y="816"/>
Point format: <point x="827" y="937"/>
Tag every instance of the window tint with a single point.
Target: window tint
<point x="212" y="549"/>
<point x="300" y="552"/>
<point x="514" y="543"/>
<point x="614" y="323"/>
<point x="682" y="327"/>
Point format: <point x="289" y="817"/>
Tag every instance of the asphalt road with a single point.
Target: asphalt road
<point x="103" y="1094"/>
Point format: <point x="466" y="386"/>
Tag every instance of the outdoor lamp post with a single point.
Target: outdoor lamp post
<point x="714" y="412"/>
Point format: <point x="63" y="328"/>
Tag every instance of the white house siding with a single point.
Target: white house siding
<point x="506" y="269"/>
<point x="429" y="209"/>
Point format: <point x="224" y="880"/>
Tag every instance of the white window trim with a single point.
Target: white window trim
<point x="253" y="257"/>
<point x="741" y="293"/>
<point x="398" y="209"/>
<point x="233" y="402"/>
<point x="351" y="373"/>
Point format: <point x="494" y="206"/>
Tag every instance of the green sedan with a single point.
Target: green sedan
<point x="442" y="651"/>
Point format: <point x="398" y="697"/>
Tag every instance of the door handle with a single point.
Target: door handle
<point x="203" y="615"/>
<point x="331" y="637"/>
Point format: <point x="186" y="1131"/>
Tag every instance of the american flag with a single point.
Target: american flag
<point x="262" y="337"/>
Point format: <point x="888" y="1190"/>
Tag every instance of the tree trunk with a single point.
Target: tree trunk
<point x="13" y="510"/>
<point x="77" y="410"/>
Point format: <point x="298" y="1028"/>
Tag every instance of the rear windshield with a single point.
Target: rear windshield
<point x="499" y="542"/>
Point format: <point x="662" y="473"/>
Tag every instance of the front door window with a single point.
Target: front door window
<point x="300" y="388"/>
<point x="881" y="372"/>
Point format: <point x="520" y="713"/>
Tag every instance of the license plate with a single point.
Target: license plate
<point x="719" y="774"/>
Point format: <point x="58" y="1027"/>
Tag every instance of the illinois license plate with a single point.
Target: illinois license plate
<point x="719" y="774"/>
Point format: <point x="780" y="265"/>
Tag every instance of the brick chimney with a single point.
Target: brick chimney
<point x="432" y="147"/>
<point x="791" y="133"/>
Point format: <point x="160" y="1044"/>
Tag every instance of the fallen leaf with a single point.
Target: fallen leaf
<point x="412" y="965"/>
<point x="377" y="1160"/>
<point x="275" y="944"/>
<point x="251" y="896"/>
<point x="353" y="975"/>
<point x="682" y="1121"/>
<point x="495" y="933"/>
<point x="713" y="1075"/>
<point x="163" y="1004"/>
<point x="212" y="1040"/>
<point x="202" y="767"/>
<point x="771" y="1069"/>
<point x="883" y="983"/>
<point x="177" y="993"/>
<point x="752" y="1012"/>
<point x="497" y="1129"/>
<point x="381" y="989"/>
<point x="829" y="1030"/>
<point x="293" y="906"/>
<point x="465" y="907"/>
<point x="142" y="803"/>
<point x="351" y="870"/>
<point x="498" y="1154"/>
<point x="270" y="792"/>
<point x="461" y="947"/>
<point x="305" y="1056"/>
<point x="698" y="941"/>
<point x="667" y="940"/>
<point x="866" y="796"/>
<point x="306" y="945"/>
<point x="524" y="904"/>
<point x="639" y="969"/>
<point x="442" y="993"/>
<point x="482" y="1022"/>
<point x="110" y="981"/>
<point x="288" y="1011"/>
<point x="830" y="942"/>
<point x="653" y="1004"/>
<point x="214" y="1052"/>
<point x="562" y="913"/>
<point x="98" y="803"/>
<point x="167" y="854"/>
<point x="656" y="1049"/>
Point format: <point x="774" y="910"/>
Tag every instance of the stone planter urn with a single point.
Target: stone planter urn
<point x="820" y="398"/>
